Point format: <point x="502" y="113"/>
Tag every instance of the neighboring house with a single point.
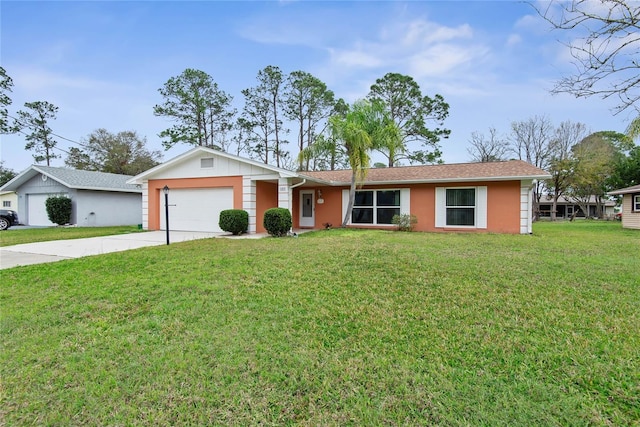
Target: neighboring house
<point x="566" y="208"/>
<point x="630" y="206"/>
<point x="9" y="200"/>
<point x="488" y="197"/>
<point x="98" y="199"/>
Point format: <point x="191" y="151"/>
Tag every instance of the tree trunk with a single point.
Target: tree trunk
<point x="554" y="207"/>
<point x="352" y="196"/>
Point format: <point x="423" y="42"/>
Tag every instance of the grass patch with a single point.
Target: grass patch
<point x="335" y="327"/>
<point x="17" y="235"/>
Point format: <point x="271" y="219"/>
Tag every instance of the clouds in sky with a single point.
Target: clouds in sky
<point x="102" y="63"/>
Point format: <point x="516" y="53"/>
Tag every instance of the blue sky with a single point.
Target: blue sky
<point x="102" y="63"/>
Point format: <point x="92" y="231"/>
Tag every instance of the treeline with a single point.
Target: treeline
<point x="289" y="113"/>
<point x="284" y="122"/>
<point x="583" y="165"/>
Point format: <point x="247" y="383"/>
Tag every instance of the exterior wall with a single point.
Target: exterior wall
<point x="36" y="185"/>
<point x="330" y="212"/>
<point x="222" y="167"/>
<point x="154" y="190"/>
<point x="12" y="199"/>
<point x="106" y="208"/>
<point x="630" y="219"/>
<point x="266" y="198"/>
<point x="504" y="207"/>
<point x="89" y="208"/>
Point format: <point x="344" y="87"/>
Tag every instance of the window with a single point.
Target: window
<point x="375" y="206"/>
<point x="461" y="207"/>
<point x="206" y="163"/>
<point x="636" y="203"/>
<point x="6" y="203"/>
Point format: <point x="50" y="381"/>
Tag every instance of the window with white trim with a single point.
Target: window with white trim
<point x="461" y="207"/>
<point x="636" y="202"/>
<point x="6" y="203"/>
<point x="375" y="206"/>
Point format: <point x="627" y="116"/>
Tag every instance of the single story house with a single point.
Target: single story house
<point x="9" y="200"/>
<point x="486" y="197"/>
<point x="630" y="206"/>
<point x="98" y="198"/>
<point x="566" y="208"/>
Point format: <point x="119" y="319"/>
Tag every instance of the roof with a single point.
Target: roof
<point x="632" y="189"/>
<point x="454" y="172"/>
<point x="564" y="200"/>
<point x="75" y="179"/>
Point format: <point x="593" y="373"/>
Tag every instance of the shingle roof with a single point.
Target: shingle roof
<point x="632" y="189"/>
<point x="493" y="171"/>
<point x="76" y="179"/>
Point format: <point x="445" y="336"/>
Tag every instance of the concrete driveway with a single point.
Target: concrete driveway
<point x="57" y="250"/>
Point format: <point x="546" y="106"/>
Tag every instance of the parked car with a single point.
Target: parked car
<point x="8" y="218"/>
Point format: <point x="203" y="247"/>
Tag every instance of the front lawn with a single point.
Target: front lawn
<point x="337" y="327"/>
<point x="18" y="235"/>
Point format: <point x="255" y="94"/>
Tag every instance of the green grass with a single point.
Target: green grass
<point x="338" y="327"/>
<point x="17" y="235"/>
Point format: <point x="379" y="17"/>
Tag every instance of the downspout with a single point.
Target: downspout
<point x="291" y="198"/>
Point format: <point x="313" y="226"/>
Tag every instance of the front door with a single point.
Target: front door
<point x="306" y="209"/>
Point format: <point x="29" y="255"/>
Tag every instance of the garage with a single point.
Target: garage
<point x="37" y="210"/>
<point x="196" y="209"/>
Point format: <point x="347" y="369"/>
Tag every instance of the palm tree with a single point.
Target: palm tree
<point x="366" y="126"/>
<point x="633" y="130"/>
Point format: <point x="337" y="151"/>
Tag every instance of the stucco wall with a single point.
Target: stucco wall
<point x="266" y="198"/>
<point x="503" y="206"/>
<point x="104" y="208"/>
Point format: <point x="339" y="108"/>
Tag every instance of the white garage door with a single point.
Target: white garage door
<point x="196" y="209"/>
<point x="37" y="210"/>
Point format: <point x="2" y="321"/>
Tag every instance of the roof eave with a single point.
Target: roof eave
<point x="438" y="180"/>
<point x="116" y="190"/>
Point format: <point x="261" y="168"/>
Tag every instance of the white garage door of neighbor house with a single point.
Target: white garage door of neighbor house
<point x="196" y="209"/>
<point x="37" y="210"/>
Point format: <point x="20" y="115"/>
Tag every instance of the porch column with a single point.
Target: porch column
<point x="145" y="205"/>
<point x="284" y="194"/>
<point x="526" y="199"/>
<point x="249" y="201"/>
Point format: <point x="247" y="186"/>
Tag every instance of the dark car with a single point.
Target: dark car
<point x="8" y="218"/>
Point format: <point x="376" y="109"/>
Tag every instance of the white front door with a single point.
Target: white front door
<point x="307" y="209"/>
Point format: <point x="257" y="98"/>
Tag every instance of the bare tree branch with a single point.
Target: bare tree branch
<point x="606" y="50"/>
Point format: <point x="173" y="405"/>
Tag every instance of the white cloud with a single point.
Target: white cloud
<point x="443" y="59"/>
<point x="354" y="58"/>
<point x="513" y="40"/>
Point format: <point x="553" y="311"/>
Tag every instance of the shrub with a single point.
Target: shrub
<point x="404" y="222"/>
<point x="235" y="221"/>
<point x="277" y="221"/>
<point x="59" y="209"/>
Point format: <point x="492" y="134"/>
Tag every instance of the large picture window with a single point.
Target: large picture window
<point x="461" y="206"/>
<point x="375" y="206"/>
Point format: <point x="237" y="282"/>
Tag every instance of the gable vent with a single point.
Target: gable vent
<point x="206" y="163"/>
